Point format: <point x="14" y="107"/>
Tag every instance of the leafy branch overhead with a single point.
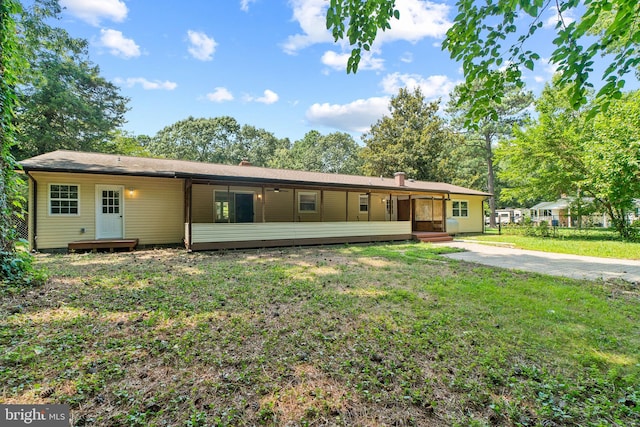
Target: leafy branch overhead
<point x="365" y="18"/>
<point x="497" y="35"/>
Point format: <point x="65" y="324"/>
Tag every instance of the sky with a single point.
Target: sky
<point x="271" y="64"/>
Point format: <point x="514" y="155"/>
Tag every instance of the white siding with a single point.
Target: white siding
<point x="153" y="211"/>
<point x="474" y="222"/>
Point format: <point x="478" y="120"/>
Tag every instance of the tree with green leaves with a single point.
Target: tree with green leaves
<point x="567" y="152"/>
<point x="612" y="160"/>
<point x="211" y="140"/>
<point x="128" y="144"/>
<point x="413" y="139"/>
<point x="64" y="102"/>
<point x="14" y="263"/>
<point x="481" y="138"/>
<point x="333" y="153"/>
<point x="486" y="36"/>
<point x="216" y="140"/>
<point x="260" y="146"/>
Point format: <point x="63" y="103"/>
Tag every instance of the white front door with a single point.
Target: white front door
<point x="109" y="212"/>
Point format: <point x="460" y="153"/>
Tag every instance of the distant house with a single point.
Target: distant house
<point x="507" y="216"/>
<point x="559" y="213"/>
<point x="554" y="213"/>
<point x="77" y="197"/>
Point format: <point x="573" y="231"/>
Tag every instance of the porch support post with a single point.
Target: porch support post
<point x="321" y="205"/>
<point x="294" y="205"/>
<point x="188" y="212"/>
<point x="444" y="214"/>
<point x="347" y="206"/>
<point x="411" y="211"/>
<point x="263" y="203"/>
<point x="390" y="207"/>
<point x="229" y="204"/>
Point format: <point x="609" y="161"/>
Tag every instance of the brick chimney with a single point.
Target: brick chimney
<point x="400" y="176"/>
<point x="245" y="162"/>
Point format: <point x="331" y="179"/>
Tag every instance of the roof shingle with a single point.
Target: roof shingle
<point x="113" y="164"/>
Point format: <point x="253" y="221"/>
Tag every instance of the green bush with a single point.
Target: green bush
<point x="543" y="229"/>
<point x="529" y="227"/>
<point x="17" y="270"/>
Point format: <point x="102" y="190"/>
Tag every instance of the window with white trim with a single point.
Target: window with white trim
<point x="64" y="199"/>
<point x="307" y="202"/>
<point x="460" y="208"/>
<point x="364" y="203"/>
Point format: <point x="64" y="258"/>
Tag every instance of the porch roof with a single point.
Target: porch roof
<point x="113" y="164"/>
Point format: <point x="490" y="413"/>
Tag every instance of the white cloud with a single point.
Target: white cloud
<point x="311" y="15"/>
<point x="269" y="97"/>
<point x="407" y="57"/>
<point x="202" y="46"/>
<point x="431" y="87"/>
<point x="548" y="66"/>
<point x="418" y="19"/>
<point x="357" y="116"/>
<point x="118" y="44"/>
<point x="338" y="61"/>
<point x="244" y="5"/>
<point x="147" y="84"/>
<point x="547" y="71"/>
<point x="220" y="94"/>
<point x="93" y="11"/>
<point x="554" y="17"/>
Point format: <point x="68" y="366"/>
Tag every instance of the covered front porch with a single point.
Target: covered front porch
<point x="240" y="215"/>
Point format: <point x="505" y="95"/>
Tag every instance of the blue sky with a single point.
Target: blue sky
<point x="268" y="63"/>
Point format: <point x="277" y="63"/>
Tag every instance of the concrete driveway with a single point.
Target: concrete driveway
<point x="574" y="266"/>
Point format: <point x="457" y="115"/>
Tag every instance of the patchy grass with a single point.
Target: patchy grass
<point x="365" y="335"/>
<point x="585" y="242"/>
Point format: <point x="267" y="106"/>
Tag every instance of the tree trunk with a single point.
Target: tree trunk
<point x="490" y="180"/>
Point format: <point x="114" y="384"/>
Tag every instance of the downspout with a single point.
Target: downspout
<point x="33" y="213"/>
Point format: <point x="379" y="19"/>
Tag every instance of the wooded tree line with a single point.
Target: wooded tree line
<point x="53" y="97"/>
